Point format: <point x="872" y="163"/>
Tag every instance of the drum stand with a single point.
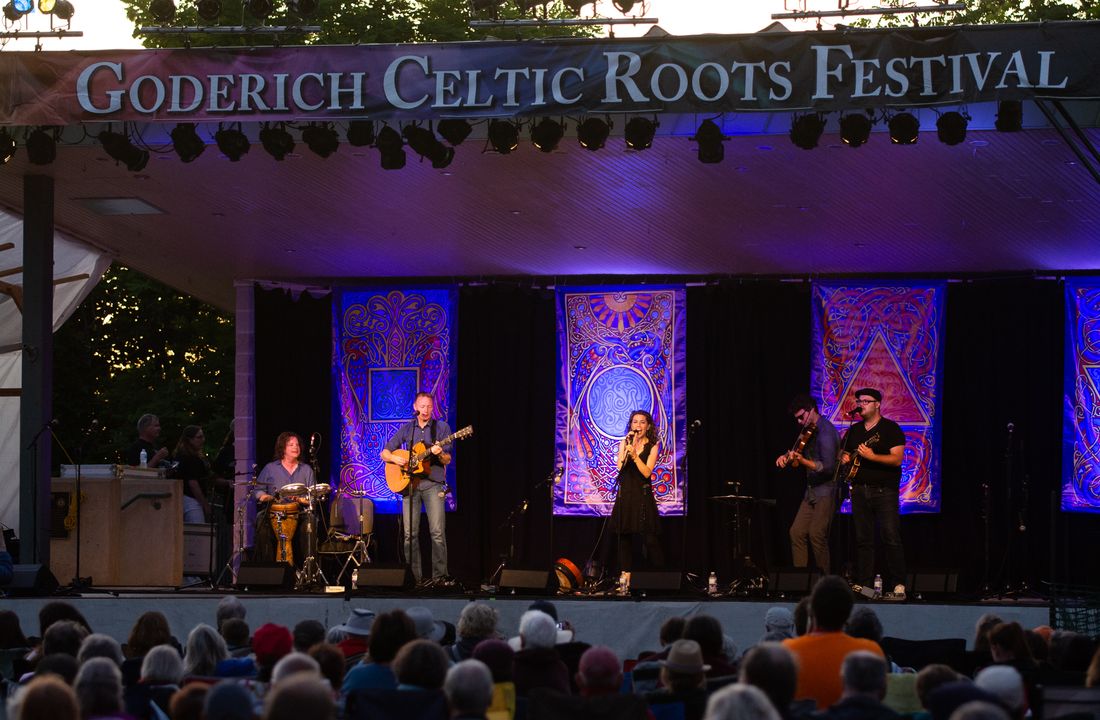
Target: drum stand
<point x="238" y="552"/>
<point x="310" y="575"/>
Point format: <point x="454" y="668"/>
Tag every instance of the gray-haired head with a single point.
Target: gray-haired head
<point x="98" y="686"/>
<point x="1006" y="683"/>
<point x="740" y="702"/>
<point x="864" y="673"/>
<point x="293" y="664"/>
<point x="100" y="645"/>
<point x="145" y="421"/>
<point x="162" y="666"/>
<point x="230" y="607"/>
<point x="477" y="620"/>
<point x="537" y="630"/>
<point x="469" y="688"/>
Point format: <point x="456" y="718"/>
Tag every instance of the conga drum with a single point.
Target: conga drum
<point x="284" y="521"/>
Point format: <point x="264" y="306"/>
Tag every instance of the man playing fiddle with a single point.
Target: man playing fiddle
<point x="814" y="453"/>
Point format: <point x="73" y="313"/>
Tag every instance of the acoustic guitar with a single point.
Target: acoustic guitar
<point x="408" y="476"/>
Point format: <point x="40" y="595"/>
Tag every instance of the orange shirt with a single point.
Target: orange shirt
<point x="820" y="655"/>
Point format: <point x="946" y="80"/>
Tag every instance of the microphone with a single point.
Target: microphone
<point x="556" y="475"/>
<point x="1011" y="427"/>
<point x="524" y="508"/>
<point x="695" y="424"/>
<point x="854" y="412"/>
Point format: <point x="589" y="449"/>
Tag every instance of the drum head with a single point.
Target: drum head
<point x="320" y="491"/>
<point x="569" y="576"/>
<point x="292" y="490"/>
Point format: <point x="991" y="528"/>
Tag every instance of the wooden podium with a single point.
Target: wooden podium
<point x="131" y="528"/>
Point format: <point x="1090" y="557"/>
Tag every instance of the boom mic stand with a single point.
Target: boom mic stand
<point x="238" y="552"/>
<point x="310" y="575"/>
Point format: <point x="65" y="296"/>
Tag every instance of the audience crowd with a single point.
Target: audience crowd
<point x="828" y="660"/>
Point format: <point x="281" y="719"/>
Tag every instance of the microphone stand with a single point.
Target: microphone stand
<point x="311" y="575"/>
<point x="849" y="566"/>
<point x="692" y="428"/>
<point x="238" y="552"/>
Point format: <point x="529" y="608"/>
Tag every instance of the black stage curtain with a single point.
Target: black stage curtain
<point x="748" y="348"/>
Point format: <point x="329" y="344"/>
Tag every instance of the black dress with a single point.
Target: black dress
<point x="635" y="509"/>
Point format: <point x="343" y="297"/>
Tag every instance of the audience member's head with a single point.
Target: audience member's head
<point x="1004" y="682"/>
<point x="302" y="696"/>
<point x="949" y="697"/>
<point x="830" y="604"/>
<point x="740" y="702"/>
<point x="336" y="635"/>
<point x="269" y="644"/>
<point x="331" y="660"/>
<point x="982" y="627"/>
<point x="864" y="675"/>
<point x="100" y="645"/>
<point x="1007" y="643"/>
<point x="469" y="688"/>
<point x="422" y="664"/>
<point x="62" y="665"/>
<point x="537" y="630"/>
<point x="188" y="702"/>
<point x="979" y="710"/>
<point x="547" y="607"/>
<point x="293" y="664"/>
<point x="707" y="631"/>
<point x="358" y="624"/>
<point x="388" y="633"/>
<point x="150" y="629"/>
<point x="684" y="669"/>
<point x="235" y="633"/>
<point x="1092" y="675"/>
<point x="57" y="610"/>
<point x="779" y="622"/>
<point x="1037" y="645"/>
<point x="227" y="701"/>
<point x="427" y="627"/>
<point x="162" y="666"/>
<point x="599" y="672"/>
<point x="46" y="698"/>
<point x="1070" y="651"/>
<point x="672" y="630"/>
<point x="99" y="687"/>
<point x="205" y="649"/>
<point x="308" y="633"/>
<point x="864" y="623"/>
<point x="498" y="656"/>
<point x="802" y="617"/>
<point x="931" y="677"/>
<point x="230" y="607"/>
<point x="774" y="669"/>
<point x="11" y="632"/>
<point x="64" y="636"/>
<point x="477" y="621"/>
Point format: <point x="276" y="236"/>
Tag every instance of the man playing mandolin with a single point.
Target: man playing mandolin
<point x="813" y="452"/>
<point x="427" y="483"/>
<point x="873" y="450"/>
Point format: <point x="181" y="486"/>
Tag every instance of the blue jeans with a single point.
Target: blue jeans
<point x="871" y="503"/>
<point x="430" y="494"/>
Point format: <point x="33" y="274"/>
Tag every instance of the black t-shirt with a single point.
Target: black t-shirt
<point x="884" y="435"/>
<point x="132" y="456"/>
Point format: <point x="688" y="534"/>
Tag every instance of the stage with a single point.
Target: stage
<point x="629" y="625"/>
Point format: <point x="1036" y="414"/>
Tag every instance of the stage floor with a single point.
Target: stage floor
<point x="628" y="625"/>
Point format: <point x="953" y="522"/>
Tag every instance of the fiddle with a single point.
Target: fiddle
<point x="804" y="437"/>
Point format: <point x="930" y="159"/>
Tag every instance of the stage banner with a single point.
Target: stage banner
<point x="889" y="336"/>
<point x="389" y="345"/>
<point x="619" y="350"/>
<point x="1081" y="423"/>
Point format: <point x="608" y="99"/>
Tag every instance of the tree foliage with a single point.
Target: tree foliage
<point x="988" y="12"/>
<point x="135" y="346"/>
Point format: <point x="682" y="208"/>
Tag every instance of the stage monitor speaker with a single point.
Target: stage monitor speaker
<point x="933" y="582"/>
<point x="531" y="581"/>
<point x="650" y="580"/>
<point x="31" y="579"/>
<point x="396" y="576"/>
<point x="264" y="575"/>
<point x="793" y="580"/>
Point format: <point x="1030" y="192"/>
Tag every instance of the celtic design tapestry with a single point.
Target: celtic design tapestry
<point x="1081" y="424"/>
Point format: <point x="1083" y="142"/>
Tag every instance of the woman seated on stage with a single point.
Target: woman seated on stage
<point x="193" y="471"/>
<point x="280" y="505"/>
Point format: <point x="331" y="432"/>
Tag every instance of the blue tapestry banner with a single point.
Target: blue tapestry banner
<point x="619" y="350"/>
<point x="889" y="336"/>
<point x="1081" y="423"/>
<point x="389" y="344"/>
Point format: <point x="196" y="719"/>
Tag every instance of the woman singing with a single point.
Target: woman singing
<point x="635" y="510"/>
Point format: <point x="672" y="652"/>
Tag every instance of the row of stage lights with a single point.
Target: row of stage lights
<point x="164" y="11"/>
<point x="61" y="9"/>
<point x="503" y="137"/>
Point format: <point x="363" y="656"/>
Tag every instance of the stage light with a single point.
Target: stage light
<point x="904" y="129"/>
<point x="710" y="139"/>
<point x="951" y="128"/>
<point x="209" y="10"/>
<point x="592" y="133"/>
<point x="163" y="11"/>
<point x="639" y="133"/>
<point x="425" y="144"/>
<point x="41" y="147"/>
<point x="119" y="147"/>
<point x="454" y="131"/>
<point x="186" y="142"/>
<point x="277" y="142"/>
<point x="360" y="133"/>
<point x="547" y="134"/>
<point x="321" y="139"/>
<point x="61" y="9"/>
<point x="855" y="129"/>
<point x="12" y="13"/>
<point x="259" y="9"/>
<point x="23" y="6"/>
<point x="389" y="146"/>
<point x="7" y="147"/>
<point x="806" y="130"/>
<point x="1010" y="116"/>
<point x="503" y="136"/>
<point x="232" y="142"/>
<point x="46" y="6"/>
<point x="303" y="8"/>
<point x="623" y="6"/>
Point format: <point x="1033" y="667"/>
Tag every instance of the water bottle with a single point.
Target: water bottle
<point x="355" y="578"/>
<point x="144" y="458"/>
<point x="878" y="585"/>
<point x="712" y="584"/>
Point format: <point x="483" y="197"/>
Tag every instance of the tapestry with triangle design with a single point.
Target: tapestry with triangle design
<point x="887" y="336"/>
<point x="1081" y="410"/>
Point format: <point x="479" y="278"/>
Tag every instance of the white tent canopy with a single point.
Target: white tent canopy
<point x="76" y="270"/>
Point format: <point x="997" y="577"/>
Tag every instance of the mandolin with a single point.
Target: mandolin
<point x="849" y="472"/>
<point x="408" y="476"/>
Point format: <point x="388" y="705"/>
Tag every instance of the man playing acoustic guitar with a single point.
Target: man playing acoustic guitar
<point x="427" y="483"/>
